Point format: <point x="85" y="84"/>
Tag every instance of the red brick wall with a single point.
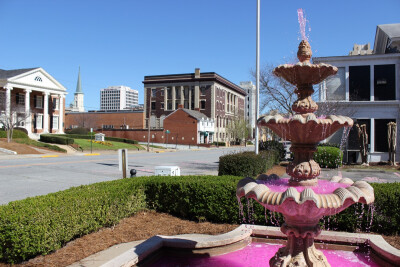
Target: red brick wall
<point x="134" y="120"/>
<point x="181" y="125"/>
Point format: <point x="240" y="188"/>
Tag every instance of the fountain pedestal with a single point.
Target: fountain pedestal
<point x="300" y="249"/>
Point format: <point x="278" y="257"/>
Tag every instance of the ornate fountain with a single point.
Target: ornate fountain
<point x="303" y="199"/>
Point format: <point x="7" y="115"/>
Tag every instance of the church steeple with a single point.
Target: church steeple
<point x="78" y="106"/>
<point x="78" y="84"/>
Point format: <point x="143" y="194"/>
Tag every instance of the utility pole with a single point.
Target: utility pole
<point x="257" y="71"/>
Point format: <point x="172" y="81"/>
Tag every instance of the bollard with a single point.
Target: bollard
<point x="133" y="173"/>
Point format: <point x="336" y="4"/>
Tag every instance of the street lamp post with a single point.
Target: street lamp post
<point x="257" y="72"/>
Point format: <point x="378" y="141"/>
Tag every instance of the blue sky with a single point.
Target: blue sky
<point x="119" y="42"/>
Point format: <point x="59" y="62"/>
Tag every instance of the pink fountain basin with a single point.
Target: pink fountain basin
<point x="305" y="203"/>
<point x="258" y="254"/>
<point x="305" y="129"/>
<point x="305" y="72"/>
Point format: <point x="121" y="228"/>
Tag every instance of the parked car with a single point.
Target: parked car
<point x="286" y="146"/>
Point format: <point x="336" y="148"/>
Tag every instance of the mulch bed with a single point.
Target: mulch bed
<point x="141" y="226"/>
<point x="19" y="148"/>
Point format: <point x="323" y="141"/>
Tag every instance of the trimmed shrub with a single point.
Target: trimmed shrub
<point x="115" y="139"/>
<point x="219" y="143"/>
<point x="247" y="163"/>
<point x="273" y="145"/>
<point x="40" y="144"/>
<point x="328" y="157"/>
<point x="16" y="134"/>
<point x="79" y="130"/>
<point x="43" y="224"/>
<point x="329" y="144"/>
<point x="56" y="139"/>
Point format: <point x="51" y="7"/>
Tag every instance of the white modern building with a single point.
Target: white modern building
<point x="367" y="88"/>
<point x="250" y="104"/>
<point x="32" y="99"/>
<point x="118" y="98"/>
<point x="77" y="105"/>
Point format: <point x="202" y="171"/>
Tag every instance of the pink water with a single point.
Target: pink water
<point x="323" y="186"/>
<point x="258" y="255"/>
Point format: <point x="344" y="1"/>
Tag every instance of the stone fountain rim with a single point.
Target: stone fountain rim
<point x="128" y="254"/>
<point x="359" y="191"/>
<point x="309" y="117"/>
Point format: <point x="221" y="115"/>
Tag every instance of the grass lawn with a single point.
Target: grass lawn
<point x="108" y="145"/>
<point x="31" y="142"/>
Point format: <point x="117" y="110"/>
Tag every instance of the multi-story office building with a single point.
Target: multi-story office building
<point x="209" y="93"/>
<point x="250" y="104"/>
<point x="367" y="88"/>
<point x="118" y="98"/>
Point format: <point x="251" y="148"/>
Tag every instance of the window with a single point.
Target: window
<point x="38" y="79"/>
<point x="359" y="80"/>
<point x="153" y="92"/>
<point x="55" y="123"/>
<point x="202" y="104"/>
<point x="384" y="82"/>
<point x="56" y="103"/>
<point x="336" y="86"/>
<point x="39" y="121"/>
<point x="20" y="99"/>
<point x="153" y="105"/>
<point x="162" y="105"/>
<point x="381" y="134"/>
<point x="353" y="142"/>
<point x="38" y="101"/>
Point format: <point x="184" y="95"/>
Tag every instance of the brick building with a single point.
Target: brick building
<point x="183" y="126"/>
<point x="117" y="119"/>
<point x="208" y="93"/>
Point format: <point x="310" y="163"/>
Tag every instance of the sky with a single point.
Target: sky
<point x="119" y="42"/>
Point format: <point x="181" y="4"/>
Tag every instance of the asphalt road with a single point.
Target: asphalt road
<point x="27" y="176"/>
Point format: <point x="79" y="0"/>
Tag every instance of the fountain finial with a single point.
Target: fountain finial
<point x="304" y="53"/>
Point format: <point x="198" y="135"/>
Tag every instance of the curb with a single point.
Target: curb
<point x="8" y="151"/>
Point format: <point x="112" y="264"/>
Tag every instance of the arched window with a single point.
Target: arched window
<point x="38" y="79"/>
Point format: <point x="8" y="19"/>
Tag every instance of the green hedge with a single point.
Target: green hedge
<point x="115" y="139"/>
<point x="56" y="139"/>
<point x="273" y="145"/>
<point x="16" y="134"/>
<point x="219" y="143"/>
<point x="329" y="157"/>
<point x="247" y="163"/>
<point x="43" y="224"/>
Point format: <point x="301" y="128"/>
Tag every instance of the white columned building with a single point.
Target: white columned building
<point x="33" y="100"/>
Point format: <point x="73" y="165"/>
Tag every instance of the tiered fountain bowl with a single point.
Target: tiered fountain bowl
<point x="303" y="199"/>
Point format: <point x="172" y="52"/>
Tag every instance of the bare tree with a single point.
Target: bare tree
<point x="13" y="118"/>
<point x="238" y="129"/>
<point x="275" y="92"/>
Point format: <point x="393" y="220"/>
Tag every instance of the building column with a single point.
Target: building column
<point x="61" y="115"/>
<point x="372" y="136"/>
<point x="28" y="116"/>
<point x="372" y="84"/>
<point x="173" y="97"/>
<point x="190" y="98"/>
<point x="46" y="112"/>
<point x="196" y="95"/>
<point x="182" y="97"/>
<point x="165" y="98"/>
<point x="8" y="100"/>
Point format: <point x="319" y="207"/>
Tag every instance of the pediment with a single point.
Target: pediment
<point x="37" y="78"/>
